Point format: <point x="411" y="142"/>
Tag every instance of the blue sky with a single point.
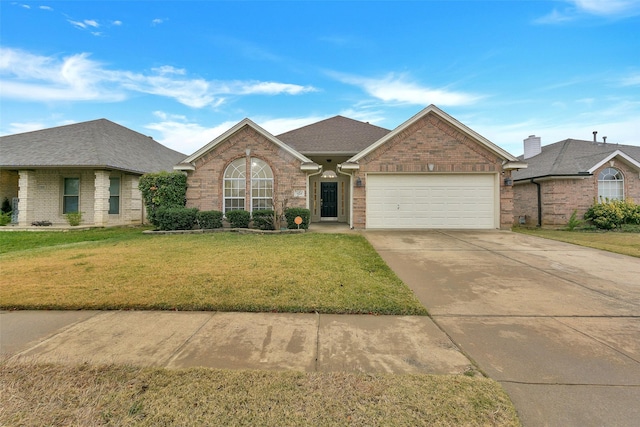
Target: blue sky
<point x="186" y="71"/>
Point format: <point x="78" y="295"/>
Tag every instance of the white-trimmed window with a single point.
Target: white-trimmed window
<point x="610" y="185"/>
<point x="114" y="195"/>
<point x="261" y="185"/>
<point x="235" y="181"/>
<point x="259" y="182"/>
<point x="71" y="195"/>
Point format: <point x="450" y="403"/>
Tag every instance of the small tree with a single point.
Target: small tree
<point x="163" y="190"/>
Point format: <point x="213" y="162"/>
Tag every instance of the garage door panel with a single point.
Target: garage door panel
<point x="431" y="201"/>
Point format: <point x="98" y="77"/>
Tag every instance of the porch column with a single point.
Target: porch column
<point x="101" y="198"/>
<point x="26" y="197"/>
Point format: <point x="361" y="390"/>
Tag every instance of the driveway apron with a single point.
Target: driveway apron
<point x="557" y="325"/>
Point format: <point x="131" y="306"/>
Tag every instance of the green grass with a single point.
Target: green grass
<point x="125" y="269"/>
<point x="611" y="241"/>
<point x="44" y="395"/>
<point x="13" y="241"/>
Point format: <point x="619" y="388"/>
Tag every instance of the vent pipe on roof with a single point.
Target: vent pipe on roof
<point x="595" y="136"/>
<point x="532" y="146"/>
<point x="604" y="139"/>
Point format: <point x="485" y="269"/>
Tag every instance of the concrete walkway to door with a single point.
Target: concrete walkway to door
<point x="557" y="325"/>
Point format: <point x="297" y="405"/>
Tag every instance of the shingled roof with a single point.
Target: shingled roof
<point x="336" y="135"/>
<point x="572" y="157"/>
<point x="95" y="144"/>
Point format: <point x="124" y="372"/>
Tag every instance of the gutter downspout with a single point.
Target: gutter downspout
<point x="539" y="202"/>
<point x="339" y="169"/>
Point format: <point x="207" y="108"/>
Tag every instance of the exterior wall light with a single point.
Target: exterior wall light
<point x="358" y="182"/>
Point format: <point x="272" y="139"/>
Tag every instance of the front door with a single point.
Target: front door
<point x="329" y="200"/>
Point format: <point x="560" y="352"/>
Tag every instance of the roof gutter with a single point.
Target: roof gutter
<point x="350" y="175"/>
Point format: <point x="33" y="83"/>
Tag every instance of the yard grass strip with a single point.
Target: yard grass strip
<point x="611" y="241"/>
<point x="49" y="394"/>
<point x="310" y="272"/>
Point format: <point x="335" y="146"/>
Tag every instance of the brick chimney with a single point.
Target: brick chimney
<point x="532" y="146"/>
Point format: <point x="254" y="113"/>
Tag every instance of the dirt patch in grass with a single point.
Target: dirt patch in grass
<point x="43" y="394"/>
<point x="611" y="241"/>
<point x="327" y="273"/>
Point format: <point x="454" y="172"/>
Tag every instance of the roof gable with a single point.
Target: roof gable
<point x="432" y="109"/>
<point x="188" y="163"/>
<point x="335" y="135"/>
<point x="97" y="144"/>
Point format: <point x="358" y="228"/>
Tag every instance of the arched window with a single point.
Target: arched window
<point x="259" y="182"/>
<point x="610" y="185"/>
<point x="261" y="185"/>
<point x="235" y="184"/>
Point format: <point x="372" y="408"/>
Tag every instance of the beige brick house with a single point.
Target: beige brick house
<point x="430" y="172"/>
<point x="571" y="175"/>
<point x="92" y="167"/>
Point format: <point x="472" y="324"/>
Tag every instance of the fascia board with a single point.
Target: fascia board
<point x="616" y="153"/>
<point x="446" y="117"/>
<point x="236" y="128"/>
<point x="515" y="165"/>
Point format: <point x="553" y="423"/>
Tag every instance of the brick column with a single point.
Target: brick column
<point x="101" y="198"/>
<point x="27" y="197"/>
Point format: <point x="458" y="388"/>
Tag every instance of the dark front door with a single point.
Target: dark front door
<point x="329" y="199"/>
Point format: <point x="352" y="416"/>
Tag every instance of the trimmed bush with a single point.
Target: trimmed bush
<point x="175" y="218"/>
<point x="5" y="218"/>
<point x="263" y="219"/>
<point x="74" y="218"/>
<point x="209" y="219"/>
<point x="292" y="213"/>
<point x="238" y="218"/>
<point x="612" y="214"/>
<point x="162" y="190"/>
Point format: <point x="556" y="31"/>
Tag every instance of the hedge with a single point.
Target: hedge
<point x="209" y="219"/>
<point x="292" y="213"/>
<point x="238" y="218"/>
<point x="612" y="214"/>
<point x="162" y="190"/>
<point x="263" y="219"/>
<point x="175" y="218"/>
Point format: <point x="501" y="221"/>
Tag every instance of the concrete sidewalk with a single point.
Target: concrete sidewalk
<point x="275" y="341"/>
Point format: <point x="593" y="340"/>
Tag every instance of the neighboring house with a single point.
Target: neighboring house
<point x="430" y="172"/>
<point x="91" y="167"/>
<point x="571" y="175"/>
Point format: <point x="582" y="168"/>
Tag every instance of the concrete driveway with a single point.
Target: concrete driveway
<point x="557" y="325"/>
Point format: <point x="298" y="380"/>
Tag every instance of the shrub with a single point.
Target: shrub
<point x="5" y="218"/>
<point x="162" y="190"/>
<point x="6" y="206"/>
<point x="73" y="218"/>
<point x="238" y="218"/>
<point x="292" y="213"/>
<point x="263" y="219"/>
<point x="209" y="219"/>
<point x="175" y="218"/>
<point x="573" y="221"/>
<point x="612" y="214"/>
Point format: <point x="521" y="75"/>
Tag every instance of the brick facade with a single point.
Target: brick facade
<point x="561" y="196"/>
<point x="205" y="183"/>
<point x="431" y="140"/>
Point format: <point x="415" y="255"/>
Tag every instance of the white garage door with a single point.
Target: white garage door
<point x="431" y="201"/>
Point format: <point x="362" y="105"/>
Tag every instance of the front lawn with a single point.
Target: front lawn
<point x="327" y="273"/>
<point x="44" y="395"/>
<point x="612" y="241"/>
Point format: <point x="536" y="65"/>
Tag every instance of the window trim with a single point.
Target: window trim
<point x="254" y="180"/>
<point x="606" y="180"/>
<point x="65" y="195"/>
<point x="117" y="196"/>
<point x="260" y="179"/>
<point x="242" y="189"/>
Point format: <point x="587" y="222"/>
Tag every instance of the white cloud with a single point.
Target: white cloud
<point x="26" y="76"/>
<point x="116" y="23"/>
<point x="91" y="23"/>
<point x="602" y="8"/>
<point x="282" y="125"/>
<point x="398" y="88"/>
<point x="49" y="8"/>
<point x="178" y="133"/>
<point x="26" y="6"/>
<point x="25" y="127"/>
<point x="157" y="21"/>
<point x="631" y="80"/>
